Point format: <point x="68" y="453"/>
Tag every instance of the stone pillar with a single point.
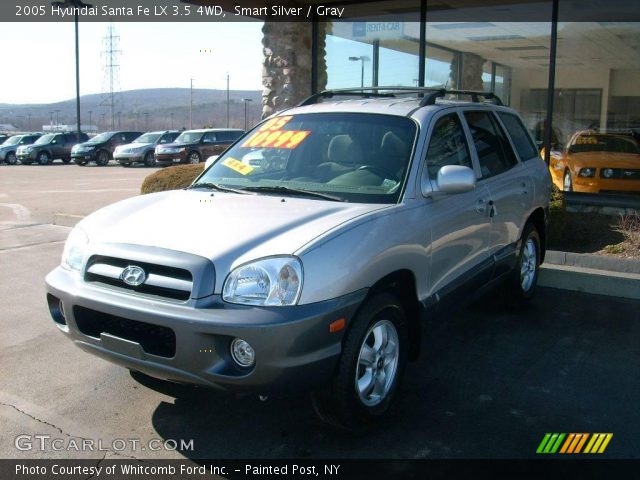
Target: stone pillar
<point x="286" y="68"/>
<point x="471" y="75"/>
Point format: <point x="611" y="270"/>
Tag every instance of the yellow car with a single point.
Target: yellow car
<point x="598" y="162"/>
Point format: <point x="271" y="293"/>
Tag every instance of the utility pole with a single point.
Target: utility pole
<point x="245" y="100"/>
<point x="227" y="100"/>
<point x="191" y="106"/>
<point x="29" y="122"/>
<point x="51" y="118"/>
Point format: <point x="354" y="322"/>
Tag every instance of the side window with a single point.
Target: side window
<point x="494" y="152"/>
<point x="447" y="145"/>
<point x="521" y="139"/>
<point x="209" y="137"/>
<point x="55" y="140"/>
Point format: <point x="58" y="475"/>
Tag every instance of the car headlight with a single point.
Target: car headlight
<point x="273" y="281"/>
<point x="608" y="173"/>
<point x="75" y="250"/>
<point x="587" y="172"/>
<point x="29" y="149"/>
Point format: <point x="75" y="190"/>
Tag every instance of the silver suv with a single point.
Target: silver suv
<point x="307" y="255"/>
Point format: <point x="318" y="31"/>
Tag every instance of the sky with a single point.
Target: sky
<point x="38" y="59"/>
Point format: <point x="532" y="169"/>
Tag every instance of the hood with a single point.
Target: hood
<point x="227" y="228"/>
<point x="605" y="160"/>
<point x="133" y="145"/>
<point x="177" y="145"/>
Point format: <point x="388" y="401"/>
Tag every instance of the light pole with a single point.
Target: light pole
<point x="227" y="100"/>
<point x="78" y="4"/>
<point x="245" y="100"/>
<point x="361" y="59"/>
<point x="191" y="106"/>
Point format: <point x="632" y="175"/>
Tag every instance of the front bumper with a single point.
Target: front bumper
<point x="601" y="185"/>
<point x="294" y="349"/>
<point x="172" y="157"/>
<point x="29" y="157"/>
<point x="86" y="156"/>
<point x="128" y="157"/>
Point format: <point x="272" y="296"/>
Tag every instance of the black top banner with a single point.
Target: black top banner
<point x="315" y="11"/>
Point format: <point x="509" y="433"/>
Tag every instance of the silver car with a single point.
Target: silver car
<point x="314" y="267"/>
<point x="142" y="149"/>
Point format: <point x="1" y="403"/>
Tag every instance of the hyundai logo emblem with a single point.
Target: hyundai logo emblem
<point x="133" y="275"/>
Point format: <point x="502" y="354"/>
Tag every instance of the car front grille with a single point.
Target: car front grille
<point x="161" y="280"/>
<point x="621" y="173"/>
<point x="154" y="339"/>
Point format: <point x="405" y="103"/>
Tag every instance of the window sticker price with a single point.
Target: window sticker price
<point x="237" y="166"/>
<point x="277" y="139"/>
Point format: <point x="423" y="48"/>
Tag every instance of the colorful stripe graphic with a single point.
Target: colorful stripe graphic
<point x="574" y="443"/>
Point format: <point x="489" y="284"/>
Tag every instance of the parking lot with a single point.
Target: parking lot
<point x="490" y="383"/>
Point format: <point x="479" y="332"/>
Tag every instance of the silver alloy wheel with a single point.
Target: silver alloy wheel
<point x="43" y="158"/>
<point x="377" y="363"/>
<point x="566" y="184"/>
<point x="528" y="264"/>
<point x="194" y="158"/>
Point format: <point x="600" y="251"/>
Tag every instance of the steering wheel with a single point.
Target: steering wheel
<point x="379" y="171"/>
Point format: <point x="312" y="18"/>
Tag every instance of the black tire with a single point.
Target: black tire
<point x="11" y="158"/>
<point x="103" y="157"/>
<point x="193" y="157"/>
<point x="524" y="278"/>
<point x="341" y="403"/>
<point x="567" y="182"/>
<point x="149" y="160"/>
<point x="43" y="158"/>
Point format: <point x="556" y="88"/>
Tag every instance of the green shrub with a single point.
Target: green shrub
<point x="171" y="178"/>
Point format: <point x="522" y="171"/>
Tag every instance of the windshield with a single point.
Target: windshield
<point x="45" y="139"/>
<point x="604" y="143"/>
<point x="351" y="156"/>
<point x="189" y="137"/>
<point x="12" y="140"/>
<point x="147" y="138"/>
<point x="103" y="137"/>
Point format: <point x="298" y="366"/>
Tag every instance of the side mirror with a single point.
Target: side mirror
<point x="210" y="161"/>
<point x="455" y="179"/>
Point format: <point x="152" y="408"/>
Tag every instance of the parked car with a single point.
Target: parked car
<point x="194" y="145"/>
<point x="50" y="147"/>
<point x="314" y="270"/>
<point x="142" y="149"/>
<point x="101" y="147"/>
<point x="9" y="148"/>
<point x="598" y="162"/>
<point x="3" y="137"/>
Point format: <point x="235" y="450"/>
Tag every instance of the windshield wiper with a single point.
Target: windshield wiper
<point x="294" y="191"/>
<point x="216" y="186"/>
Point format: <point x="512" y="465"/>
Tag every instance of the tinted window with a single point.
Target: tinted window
<point x="521" y="139"/>
<point x="228" y="136"/>
<point x="494" y="152"/>
<point x="209" y="137"/>
<point x="447" y="145"/>
<point x="168" y="137"/>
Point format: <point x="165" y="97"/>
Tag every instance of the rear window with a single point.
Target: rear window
<point x="351" y="156"/>
<point x="521" y="139"/>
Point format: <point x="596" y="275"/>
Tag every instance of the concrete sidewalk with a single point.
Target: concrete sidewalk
<point x="597" y="274"/>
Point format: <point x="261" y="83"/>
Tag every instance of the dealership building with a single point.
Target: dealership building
<point x="576" y="61"/>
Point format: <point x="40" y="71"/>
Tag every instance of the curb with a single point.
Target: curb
<point x="66" y="220"/>
<point x="616" y="277"/>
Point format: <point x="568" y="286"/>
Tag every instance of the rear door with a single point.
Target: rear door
<point x="459" y="222"/>
<point x="509" y="185"/>
<point x="209" y="146"/>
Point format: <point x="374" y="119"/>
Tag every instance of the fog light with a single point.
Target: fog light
<point x="242" y="353"/>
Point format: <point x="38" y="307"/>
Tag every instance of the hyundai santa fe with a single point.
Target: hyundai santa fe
<point x="312" y="266"/>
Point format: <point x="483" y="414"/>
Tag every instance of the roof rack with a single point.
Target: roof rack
<point x="428" y="94"/>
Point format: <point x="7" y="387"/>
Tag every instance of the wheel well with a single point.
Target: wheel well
<point x="537" y="218"/>
<point x="402" y="283"/>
